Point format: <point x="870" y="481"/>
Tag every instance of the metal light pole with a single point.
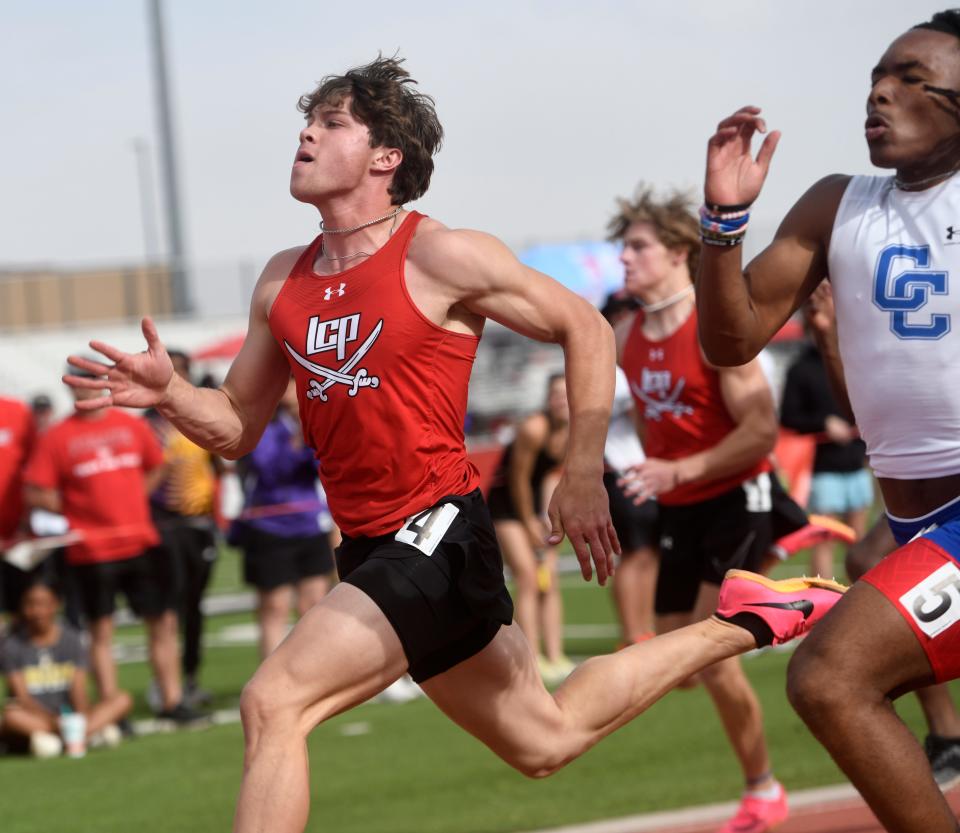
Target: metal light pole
<point x="178" y="266"/>
<point x="148" y="213"/>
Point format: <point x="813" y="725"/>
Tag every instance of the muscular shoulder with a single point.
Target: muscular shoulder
<point x="281" y="264"/>
<point x="273" y="275"/>
<point x="813" y="214"/>
<point x="463" y="256"/>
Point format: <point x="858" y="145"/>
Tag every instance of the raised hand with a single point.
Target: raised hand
<point x="734" y="177"/>
<point x="580" y="508"/>
<point x="134" y="380"/>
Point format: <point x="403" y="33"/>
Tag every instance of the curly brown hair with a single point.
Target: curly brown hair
<point x="672" y="219"/>
<point x="382" y="97"/>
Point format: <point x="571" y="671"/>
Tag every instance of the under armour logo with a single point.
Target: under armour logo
<point x="328" y="292"/>
<point x="656" y="354"/>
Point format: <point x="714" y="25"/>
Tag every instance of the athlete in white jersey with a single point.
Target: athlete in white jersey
<point x="889" y="246"/>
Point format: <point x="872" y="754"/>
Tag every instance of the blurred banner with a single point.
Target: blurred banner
<point x="590" y="269"/>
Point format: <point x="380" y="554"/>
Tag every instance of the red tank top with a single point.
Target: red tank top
<point x="678" y="394"/>
<point x="382" y="390"/>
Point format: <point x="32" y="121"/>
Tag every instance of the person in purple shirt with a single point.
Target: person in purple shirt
<point x="285" y="528"/>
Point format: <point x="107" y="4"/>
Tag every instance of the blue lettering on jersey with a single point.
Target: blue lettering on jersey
<point x="909" y="291"/>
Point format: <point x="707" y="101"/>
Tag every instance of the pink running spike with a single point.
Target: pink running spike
<point x="818" y="529"/>
<point x="786" y="608"/>
<point x="758" y="815"/>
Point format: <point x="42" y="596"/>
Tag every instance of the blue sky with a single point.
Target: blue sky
<point x="550" y="109"/>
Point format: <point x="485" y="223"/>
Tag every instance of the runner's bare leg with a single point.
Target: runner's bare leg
<point x="341" y="653"/>
<point x="498" y="697"/>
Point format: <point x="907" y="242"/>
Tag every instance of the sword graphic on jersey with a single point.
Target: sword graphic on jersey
<point x="667" y="404"/>
<point x="361" y="379"/>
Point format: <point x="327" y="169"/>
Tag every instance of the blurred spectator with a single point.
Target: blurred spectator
<point x="284" y="530"/>
<point x="517" y="501"/>
<point x="45" y="669"/>
<point x="42" y="407"/>
<point x="842" y="487"/>
<point x="16" y="441"/>
<point x="96" y="467"/>
<point x="182" y="509"/>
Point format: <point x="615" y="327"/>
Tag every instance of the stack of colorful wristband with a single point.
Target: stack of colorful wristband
<point x="724" y="225"/>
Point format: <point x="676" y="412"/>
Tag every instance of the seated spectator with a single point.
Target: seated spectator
<point x="45" y="669"/>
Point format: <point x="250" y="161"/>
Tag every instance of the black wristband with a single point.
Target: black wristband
<point x="714" y="208"/>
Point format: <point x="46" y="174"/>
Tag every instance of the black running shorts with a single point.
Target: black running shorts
<point x="701" y="541"/>
<point x="447" y="605"/>
<point x="637" y="526"/>
<point x="146" y="581"/>
<point x="271" y="561"/>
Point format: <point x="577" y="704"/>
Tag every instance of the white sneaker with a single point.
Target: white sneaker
<point x="402" y="691"/>
<point x="108" y="737"/>
<point x="45" y="745"/>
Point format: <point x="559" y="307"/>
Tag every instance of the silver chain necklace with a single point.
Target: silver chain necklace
<point x="911" y="186"/>
<point x="393" y="213"/>
<point x="331" y="258"/>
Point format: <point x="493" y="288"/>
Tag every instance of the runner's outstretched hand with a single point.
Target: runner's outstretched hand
<point x="580" y="508"/>
<point x="734" y="177"/>
<point x="134" y="380"/>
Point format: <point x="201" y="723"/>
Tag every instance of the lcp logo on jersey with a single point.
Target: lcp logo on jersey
<point x="333" y="335"/>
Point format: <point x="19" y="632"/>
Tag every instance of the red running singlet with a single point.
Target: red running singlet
<point x="678" y="395"/>
<point x="382" y="390"/>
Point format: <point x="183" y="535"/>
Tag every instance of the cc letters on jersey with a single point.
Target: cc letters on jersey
<point x="907" y="291"/>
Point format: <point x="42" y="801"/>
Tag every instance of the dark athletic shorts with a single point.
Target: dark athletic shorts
<point x="500" y="504"/>
<point x="145" y="580"/>
<point x="270" y="561"/>
<point x="446" y="606"/>
<point x="701" y="541"/>
<point x="637" y="526"/>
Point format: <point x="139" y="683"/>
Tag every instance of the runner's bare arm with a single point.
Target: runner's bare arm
<point x="481" y="274"/>
<point x="739" y="309"/>
<point x="228" y="420"/>
<point x="747" y="397"/>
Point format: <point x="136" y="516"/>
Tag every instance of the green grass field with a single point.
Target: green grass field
<point x="398" y="768"/>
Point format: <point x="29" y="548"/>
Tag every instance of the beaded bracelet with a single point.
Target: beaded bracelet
<point x="723" y="225"/>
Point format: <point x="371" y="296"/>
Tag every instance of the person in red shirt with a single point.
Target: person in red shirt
<point x="379" y="320"/>
<point x="707" y="432"/>
<point x="97" y="468"/>
<point x="16" y="440"/>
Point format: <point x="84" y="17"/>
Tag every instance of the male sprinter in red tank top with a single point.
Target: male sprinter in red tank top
<point x="379" y="320"/>
<point x="707" y="433"/>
